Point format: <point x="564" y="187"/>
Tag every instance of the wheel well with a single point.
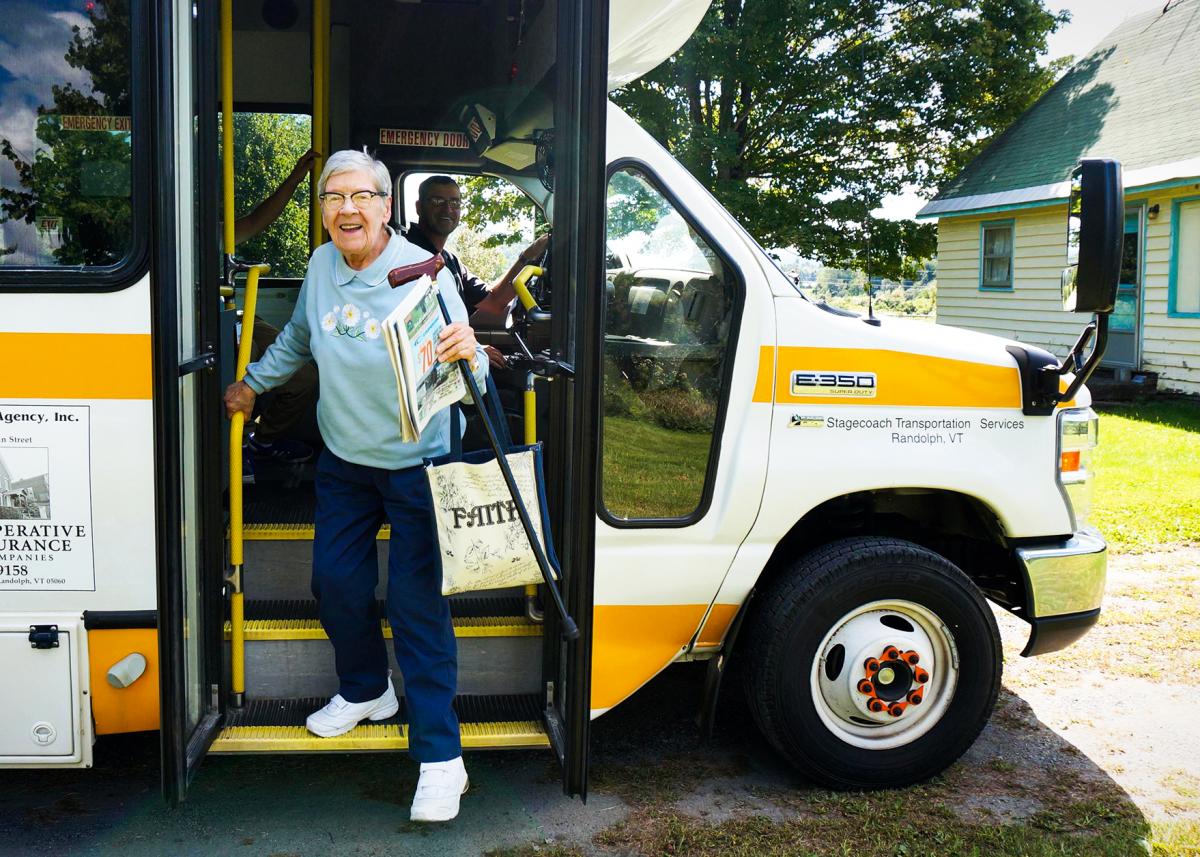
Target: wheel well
<point x="958" y="527"/>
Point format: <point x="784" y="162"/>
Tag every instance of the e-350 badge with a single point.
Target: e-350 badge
<point x="840" y="385"/>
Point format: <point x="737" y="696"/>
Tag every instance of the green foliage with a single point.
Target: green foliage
<point x="267" y="147"/>
<point x="9" y="513"/>
<point x="802" y="117"/>
<point x="499" y="209"/>
<point x="847" y="289"/>
<point x="682" y="408"/>
<point x="482" y="259"/>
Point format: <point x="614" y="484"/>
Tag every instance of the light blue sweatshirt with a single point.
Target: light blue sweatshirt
<point x="338" y="323"/>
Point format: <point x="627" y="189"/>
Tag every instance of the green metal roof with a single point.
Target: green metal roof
<point x="1135" y="97"/>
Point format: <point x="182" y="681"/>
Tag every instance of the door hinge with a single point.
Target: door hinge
<point x="43" y="636"/>
<point x="214" y="697"/>
<point x="205" y="360"/>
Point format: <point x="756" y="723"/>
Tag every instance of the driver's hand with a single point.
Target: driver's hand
<point x="495" y="358"/>
<point x="536" y="250"/>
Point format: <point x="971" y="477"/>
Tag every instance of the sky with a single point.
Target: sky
<point x="1091" y="20"/>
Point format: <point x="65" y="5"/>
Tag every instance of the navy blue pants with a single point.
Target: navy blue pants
<point x="352" y="503"/>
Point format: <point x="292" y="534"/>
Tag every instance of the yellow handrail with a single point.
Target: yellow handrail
<point x="320" y="104"/>
<point x="237" y="640"/>
<point x="530" y="401"/>
<point x="522" y="289"/>
<point x="227" y="118"/>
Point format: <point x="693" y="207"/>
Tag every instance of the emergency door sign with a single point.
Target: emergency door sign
<point x="45" y="499"/>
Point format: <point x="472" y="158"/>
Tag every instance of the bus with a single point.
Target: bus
<point x="734" y="472"/>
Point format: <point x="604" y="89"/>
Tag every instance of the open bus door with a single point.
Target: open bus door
<point x="198" y="707"/>
<point x="185" y="268"/>
<point x="579" y="224"/>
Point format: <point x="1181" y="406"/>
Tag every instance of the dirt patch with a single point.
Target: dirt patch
<point x="1125" y="696"/>
<point x="1087" y="753"/>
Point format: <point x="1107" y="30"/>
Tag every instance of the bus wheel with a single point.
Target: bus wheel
<point x="873" y="663"/>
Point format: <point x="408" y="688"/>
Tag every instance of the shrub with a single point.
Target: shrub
<point x="684" y="410"/>
<point x="9" y="513"/>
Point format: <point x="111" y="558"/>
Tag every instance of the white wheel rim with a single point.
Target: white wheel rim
<point x="867" y="632"/>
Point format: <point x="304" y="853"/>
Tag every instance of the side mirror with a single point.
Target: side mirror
<point x="1095" y="233"/>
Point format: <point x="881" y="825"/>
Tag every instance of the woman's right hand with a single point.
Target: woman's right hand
<point x="239" y="398"/>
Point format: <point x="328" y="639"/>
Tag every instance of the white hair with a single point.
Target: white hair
<point x="348" y="160"/>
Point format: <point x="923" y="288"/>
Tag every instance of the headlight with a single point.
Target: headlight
<point x="1078" y="433"/>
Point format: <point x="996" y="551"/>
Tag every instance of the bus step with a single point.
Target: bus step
<point x="277" y="726"/>
<point x="285" y="531"/>
<point x="472" y="615"/>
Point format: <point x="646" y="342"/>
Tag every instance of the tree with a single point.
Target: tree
<point x="499" y="208"/>
<point x="801" y="116"/>
<point x="267" y="147"/>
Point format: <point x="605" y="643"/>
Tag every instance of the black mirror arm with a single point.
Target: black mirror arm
<point x="1083" y="369"/>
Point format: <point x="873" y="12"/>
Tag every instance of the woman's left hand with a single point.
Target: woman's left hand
<point x="457" y="343"/>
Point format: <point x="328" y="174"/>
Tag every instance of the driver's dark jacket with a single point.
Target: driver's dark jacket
<point x="470" y="287"/>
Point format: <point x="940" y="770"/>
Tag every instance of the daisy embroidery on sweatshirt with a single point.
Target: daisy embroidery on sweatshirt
<point x="349" y="320"/>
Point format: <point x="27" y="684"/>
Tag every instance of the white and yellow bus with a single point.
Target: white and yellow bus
<point x="728" y="462"/>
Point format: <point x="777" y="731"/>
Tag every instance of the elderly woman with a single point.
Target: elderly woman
<point x="367" y="475"/>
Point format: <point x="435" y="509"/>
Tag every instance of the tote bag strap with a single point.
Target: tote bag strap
<point x="456" y="450"/>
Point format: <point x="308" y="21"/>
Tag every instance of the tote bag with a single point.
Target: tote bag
<point x="481" y="542"/>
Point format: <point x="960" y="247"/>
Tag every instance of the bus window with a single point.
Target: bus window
<point x="669" y="308"/>
<point x="268" y="146"/>
<point x="497" y="221"/>
<point x="65" y="135"/>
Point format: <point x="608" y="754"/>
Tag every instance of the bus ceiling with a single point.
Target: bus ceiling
<point x="398" y="66"/>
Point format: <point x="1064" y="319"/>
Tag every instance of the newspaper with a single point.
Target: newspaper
<point x="424" y="385"/>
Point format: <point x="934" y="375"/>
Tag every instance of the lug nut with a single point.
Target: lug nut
<point x="865" y="687"/>
<point x="891" y="653"/>
<point x="921" y="676"/>
<point x="914" y="697"/>
<point x="912" y="658"/>
<point x="870" y="665"/>
<point x="875" y="705"/>
<point x="896" y="710"/>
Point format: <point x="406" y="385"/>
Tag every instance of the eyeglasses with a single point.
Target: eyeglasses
<point x="360" y="198"/>
<point x="442" y="202"/>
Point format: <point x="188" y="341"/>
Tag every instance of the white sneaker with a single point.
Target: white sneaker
<point x="438" y="790"/>
<point x="341" y="716"/>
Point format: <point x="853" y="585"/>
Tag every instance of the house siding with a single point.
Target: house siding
<point x="1032" y="311"/>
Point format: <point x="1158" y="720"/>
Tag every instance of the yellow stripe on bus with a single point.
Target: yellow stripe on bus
<point x="632" y="642"/>
<point x="901" y="378"/>
<point x="75" y="366"/>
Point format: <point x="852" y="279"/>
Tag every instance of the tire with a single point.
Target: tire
<point x="808" y="674"/>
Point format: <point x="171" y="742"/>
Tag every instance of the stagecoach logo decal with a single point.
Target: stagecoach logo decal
<point x="838" y="385"/>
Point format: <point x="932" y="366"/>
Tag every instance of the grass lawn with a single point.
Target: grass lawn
<point x="1147" y="488"/>
<point x="651" y="471"/>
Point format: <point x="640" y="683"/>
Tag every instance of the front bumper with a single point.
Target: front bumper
<point x="1065" y="582"/>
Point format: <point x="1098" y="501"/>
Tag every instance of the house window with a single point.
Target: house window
<point x="996" y="255"/>
<point x="1185" y="258"/>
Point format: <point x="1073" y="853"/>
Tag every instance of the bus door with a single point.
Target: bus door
<point x="199" y="712"/>
<point x="578" y="218"/>
<point x="188" y="425"/>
